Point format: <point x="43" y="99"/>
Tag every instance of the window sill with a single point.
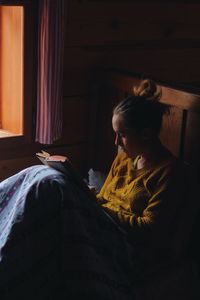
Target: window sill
<point x="5" y="133"/>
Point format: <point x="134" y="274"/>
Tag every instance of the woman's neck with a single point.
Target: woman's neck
<point x="153" y="153"/>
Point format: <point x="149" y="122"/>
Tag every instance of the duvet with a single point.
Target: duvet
<point x="57" y="243"/>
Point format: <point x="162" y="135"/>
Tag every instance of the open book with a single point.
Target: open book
<point x="62" y="164"/>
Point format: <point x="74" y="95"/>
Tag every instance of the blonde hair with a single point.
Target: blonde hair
<point x="143" y="109"/>
<point x="148" y="89"/>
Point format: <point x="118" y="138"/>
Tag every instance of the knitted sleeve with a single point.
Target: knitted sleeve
<point x="160" y="209"/>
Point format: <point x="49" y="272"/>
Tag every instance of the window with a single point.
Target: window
<point x="11" y="70"/>
<point x="17" y="56"/>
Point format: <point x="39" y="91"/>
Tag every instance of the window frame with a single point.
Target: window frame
<point x="29" y="75"/>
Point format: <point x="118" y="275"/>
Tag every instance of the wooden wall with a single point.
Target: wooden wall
<point x="159" y="39"/>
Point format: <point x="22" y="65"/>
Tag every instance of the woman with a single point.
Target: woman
<point x="147" y="192"/>
<point x="59" y="242"/>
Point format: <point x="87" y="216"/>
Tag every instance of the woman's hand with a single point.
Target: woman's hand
<point x="92" y="189"/>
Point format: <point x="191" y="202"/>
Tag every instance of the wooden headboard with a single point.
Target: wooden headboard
<point x="180" y="129"/>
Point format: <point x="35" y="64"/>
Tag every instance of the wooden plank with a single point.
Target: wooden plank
<point x="180" y="66"/>
<point x="170" y="134"/>
<point x="75" y="120"/>
<point x="79" y="64"/>
<point x="168" y="65"/>
<point x="192" y="139"/>
<point x="97" y="22"/>
<point x="181" y="99"/>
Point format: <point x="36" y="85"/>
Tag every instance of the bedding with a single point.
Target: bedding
<point x="57" y="243"/>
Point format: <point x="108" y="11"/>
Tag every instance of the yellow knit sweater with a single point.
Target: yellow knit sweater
<point x="149" y="202"/>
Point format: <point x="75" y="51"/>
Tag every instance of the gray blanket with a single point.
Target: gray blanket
<point x="57" y="243"/>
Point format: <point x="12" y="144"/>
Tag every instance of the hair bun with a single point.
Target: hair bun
<point x="147" y="89"/>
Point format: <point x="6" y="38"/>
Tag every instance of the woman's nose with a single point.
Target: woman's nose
<point x="117" y="140"/>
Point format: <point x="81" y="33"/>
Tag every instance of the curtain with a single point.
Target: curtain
<point x="50" y="71"/>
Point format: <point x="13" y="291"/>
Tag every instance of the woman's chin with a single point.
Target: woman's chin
<point x="120" y="149"/>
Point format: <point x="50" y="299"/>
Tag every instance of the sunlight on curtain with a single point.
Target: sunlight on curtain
<point x="50" y="71"/>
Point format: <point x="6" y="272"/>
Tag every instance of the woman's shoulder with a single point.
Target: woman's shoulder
<point x="163" y="168"/>
<point x="176" y="169"/>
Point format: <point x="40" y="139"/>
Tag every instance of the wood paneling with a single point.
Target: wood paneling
<point x="171" y="130"/>
<point x="192" y="139"/>
<point x="97" y="22"/>
<point x="169" y="65"/>
<point x="176" y="66"/>
<point x="79" y="64"/>
<point x="150" y="38"/>
<point x="75" y="120"/>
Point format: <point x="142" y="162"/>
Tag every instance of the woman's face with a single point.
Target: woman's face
<point x="129" y="140"/>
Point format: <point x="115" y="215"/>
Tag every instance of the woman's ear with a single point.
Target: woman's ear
<point x="148" y="134"/>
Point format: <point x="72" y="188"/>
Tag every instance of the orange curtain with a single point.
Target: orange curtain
<point x="50" y="71"/>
